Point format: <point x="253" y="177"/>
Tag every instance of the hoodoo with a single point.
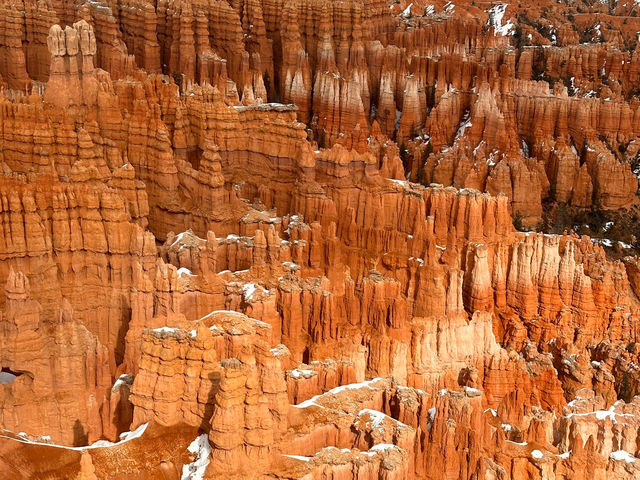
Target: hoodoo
<point x="313" y="239"/>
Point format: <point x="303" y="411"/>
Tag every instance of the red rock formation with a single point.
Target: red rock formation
<point x="186" y="261"/>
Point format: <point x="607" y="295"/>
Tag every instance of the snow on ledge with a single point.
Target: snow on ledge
<point x="336" y="390"/>
<point x="124" y="437"/>
<point x="621" y="455"/>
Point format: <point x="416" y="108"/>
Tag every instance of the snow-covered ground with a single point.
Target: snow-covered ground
<point x="195" y="470"/>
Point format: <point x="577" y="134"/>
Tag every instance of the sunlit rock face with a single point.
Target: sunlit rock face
<point x="260" y="239"/>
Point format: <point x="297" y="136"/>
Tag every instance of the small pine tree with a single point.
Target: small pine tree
<point x="266" y="79"/>
<point x="625" y="388"/>
<point x="562" y="220"/>
<point x="517" y="221"/>
<point x="177" y="78"/>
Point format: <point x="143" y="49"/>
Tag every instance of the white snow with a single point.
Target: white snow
<point x="537" y="454"/>
<point x="472" y="391"/>
<point x="430" y="10"/>
<point x="620" y="455"/>
<point x="165" y="329"/>
<point x="432" y="414"/>
<point x="376" y="417"/>
<point x="496" y="13"/>
<point x="399" y="182"/>
<point x="195" y="470"/>
<point x="603" y="414"/>
<point x="407" y="11"/>
<point x="464" y="124"/>
<point x="300" y="373"/>
<point x="336" y="390"/>
<point x="124" y="437"/>
<point x="179" y="237"/>
<point x="249" y="289"/>
<point x="506" y="427"/>
<point x="184" y="271"/>
<point x="522" y="444"/>
<point x="299" y="457"/>
<point x="353" y="386"/>
<point x="598" y="33"/>
<point x="382" y="446"/>
<point x="603" y="241"/>
<point x="122" y="379"/>
<point x="419" y="260"/>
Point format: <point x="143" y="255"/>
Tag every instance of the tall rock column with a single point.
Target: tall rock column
<point x="72" y="80"/>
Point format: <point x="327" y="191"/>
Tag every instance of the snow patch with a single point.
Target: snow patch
<point x="184" y="271"/>
<point x="602" y="415"/>
<point x="299" y="457"/>
<point x="195" y="470"/>
<point x="382" y="447"/>
<point x="122" y="380"/>
<point x="124" y="437"/>
<point x="376" y="417"/>
<point x="472" y="391"/>
<point x="165" y="330"/>
<point x="336" y="390"/>
<point x="496" y="14"/>
<point x="407" y="11"/>
<point x="621" y="455"/>
<point x="432" y="414"/>
<point x="464" y="124"/>
<point x="248" y="289"/>
<point x="299" y="372"/>
<point x="399" y="182"/>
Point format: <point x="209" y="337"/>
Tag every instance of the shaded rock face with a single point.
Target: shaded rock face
<point x="202" y="282"/>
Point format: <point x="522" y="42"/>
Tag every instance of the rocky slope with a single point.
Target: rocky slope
<point x="265" y="239"/>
